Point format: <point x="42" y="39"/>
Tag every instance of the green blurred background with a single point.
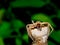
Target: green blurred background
<point x="16" y="14"/>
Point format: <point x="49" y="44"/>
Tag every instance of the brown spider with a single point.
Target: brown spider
<point x="39" y="32"/>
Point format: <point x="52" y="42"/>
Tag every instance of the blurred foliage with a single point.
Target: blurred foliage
<point x="14" y="15"/>
<point x="1" y="41"/>
<point x="25" y="37"/>
<point x="2" y="12"/>
<point x="42" y="17"/>
<point x="5" y="28"/>
<point x="18" y="42"/>
<point x="58" y="14"/>
<point x="50" y="43"/>
<point x="17" y="24"/>
<point x="32" y="3"/>
<point x="56" y="34"/>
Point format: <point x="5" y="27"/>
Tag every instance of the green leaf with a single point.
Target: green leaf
<point x="18" y="23"/>
<point x="33" y="3"/>
<point x="18" y="41"/>
<point x="1" y="41"/>
<point x="5" y="29"/>
<point x="56" y="35"/>
<point x="42" y="17"/>
<point x="25" y="37"/>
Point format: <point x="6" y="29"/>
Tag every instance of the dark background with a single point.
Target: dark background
<point x="19" y="13"/>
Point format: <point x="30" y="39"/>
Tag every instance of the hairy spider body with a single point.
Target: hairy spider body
<point x="39" y="32"/>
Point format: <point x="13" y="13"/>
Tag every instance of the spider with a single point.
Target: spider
<point x="39" y="32"/>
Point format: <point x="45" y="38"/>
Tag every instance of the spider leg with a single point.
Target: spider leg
<point x="49" y="26"/>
